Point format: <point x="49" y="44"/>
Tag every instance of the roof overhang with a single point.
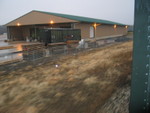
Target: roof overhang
<point x="35" y="17"/>
<point x="40" y="17"/>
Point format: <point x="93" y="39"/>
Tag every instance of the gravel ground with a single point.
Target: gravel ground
<point x="118" y="102"/>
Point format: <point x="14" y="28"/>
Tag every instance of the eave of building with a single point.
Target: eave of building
<point x="36" y="18"/>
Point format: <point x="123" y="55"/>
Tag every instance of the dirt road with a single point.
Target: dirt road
<point x="72" y="84"/>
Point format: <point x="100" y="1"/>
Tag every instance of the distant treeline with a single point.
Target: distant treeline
<point x="3" y="29"/>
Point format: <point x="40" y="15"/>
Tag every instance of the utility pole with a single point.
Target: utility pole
<point x="140" y="83"/>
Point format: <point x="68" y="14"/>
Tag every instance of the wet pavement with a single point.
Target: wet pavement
<point x="10" y="54"/>
<point x="13" y="53"/>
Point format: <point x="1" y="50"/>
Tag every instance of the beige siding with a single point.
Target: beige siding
<point x="34" y="17"/>
<point x="108" y="30"/>
<point x="85" y="29"/>
<point x="101" y="30"/>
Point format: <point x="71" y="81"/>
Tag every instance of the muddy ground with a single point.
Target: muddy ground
<point x="82" y="83"/>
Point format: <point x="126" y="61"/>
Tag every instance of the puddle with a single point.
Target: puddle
<point x="10" y="54"/>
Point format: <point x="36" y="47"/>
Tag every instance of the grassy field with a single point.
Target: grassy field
<point x="73" y="84"/>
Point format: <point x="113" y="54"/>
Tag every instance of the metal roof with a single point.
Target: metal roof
<point x="42" y="17"/>
<point x="80" y="18"/>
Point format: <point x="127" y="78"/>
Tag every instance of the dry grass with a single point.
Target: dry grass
<point x="80" y="84"/>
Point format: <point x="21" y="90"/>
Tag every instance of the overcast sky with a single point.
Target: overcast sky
<point x="121" y="11"/>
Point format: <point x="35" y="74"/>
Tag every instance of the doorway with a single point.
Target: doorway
<point x="91" y="32"/>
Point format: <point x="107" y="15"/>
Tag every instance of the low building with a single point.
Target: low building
<point x="28" y="25"/>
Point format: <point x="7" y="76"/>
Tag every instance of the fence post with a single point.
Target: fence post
<point x="140" y="83"/>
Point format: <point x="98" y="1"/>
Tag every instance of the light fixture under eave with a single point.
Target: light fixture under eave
<point x="115" y="26"/>
<point x="18" y="24"/>
<point x="51" y="22"/>
<point x="126" y="27"/>
<point x="95" y="25"/>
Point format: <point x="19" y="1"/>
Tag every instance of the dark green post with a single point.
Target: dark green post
<point x="140" y="86"/>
